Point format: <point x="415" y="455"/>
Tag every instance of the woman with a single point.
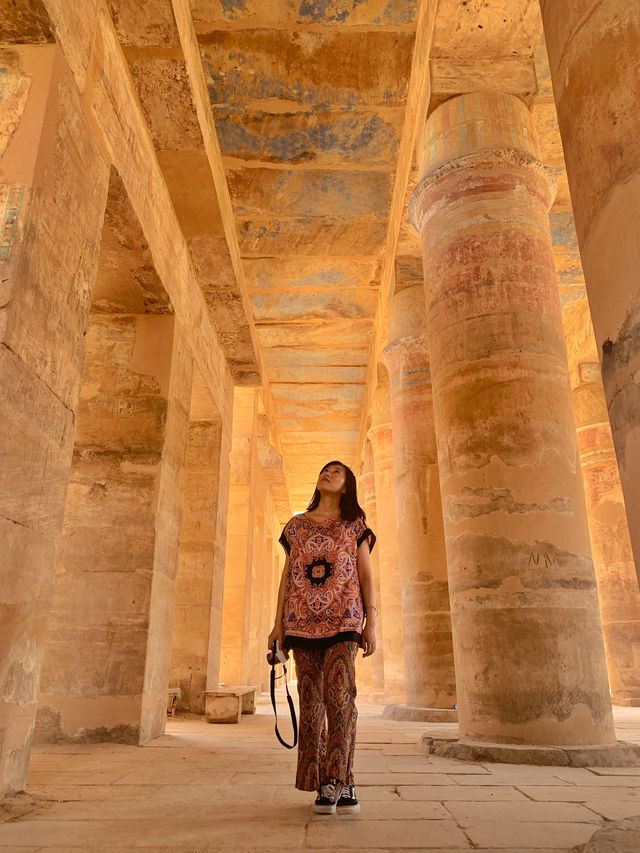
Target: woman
<point x="326" y="611"/>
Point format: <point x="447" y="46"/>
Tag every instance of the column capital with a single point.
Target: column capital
<point x="478" y="132"/>
<point x="483" y="165"/>
<point x="408" y="349"/>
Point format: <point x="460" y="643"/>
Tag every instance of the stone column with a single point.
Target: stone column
<point x="530" y="663"/>
<point x="107" y="658"/>
<point x="254" y="642"/>
<point x="197" y="555"/>
<point x="422" y="558"/>
<point x="53" y="189"/>
<point x="372" y="668"/>
<point x="220" y="548"/>
<point x="240" y="529"/>
<point x="380" y="436"/>
<point x="593" y="55"/>
<point x="612" y="554"/>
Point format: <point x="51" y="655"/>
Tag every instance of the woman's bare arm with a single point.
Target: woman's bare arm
<point x="278" y="628"/>
<point x="367" y="588"/>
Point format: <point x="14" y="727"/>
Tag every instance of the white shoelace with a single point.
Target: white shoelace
<point x="329" y="791"/>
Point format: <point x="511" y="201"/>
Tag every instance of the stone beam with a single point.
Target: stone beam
<point x="86" y="34"/>
<point x="512" y="74"/>
<point x="200" y="94"/>
<point x="415" y="115"/>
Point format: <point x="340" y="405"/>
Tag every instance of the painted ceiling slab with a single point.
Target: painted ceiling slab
<point x="315" y="136"/>
<point x="303" y="192"/>
<point x="319" y="308"/>
<point x="25" y="22"/>
<point x="327" y="12"/>
<point x="267" y="236"/>
<point x="349" y="333"/>
<point x="299" y="274"/>
<point x="318" y="359"/>
<point x="310" y="366"/>
<point x="300" y="66"/>
<point x="292" y="371"/>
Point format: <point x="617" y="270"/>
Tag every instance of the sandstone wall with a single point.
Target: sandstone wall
<point x="53" y="184"/>
<point x="106" y="667"/>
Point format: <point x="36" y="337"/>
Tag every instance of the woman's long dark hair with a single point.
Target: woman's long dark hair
<point x="350" y="509"/>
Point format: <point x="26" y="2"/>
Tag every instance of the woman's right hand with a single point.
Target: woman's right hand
<point x="276" y="634"/>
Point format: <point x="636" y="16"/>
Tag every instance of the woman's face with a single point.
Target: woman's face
<point x="332" y="479"/>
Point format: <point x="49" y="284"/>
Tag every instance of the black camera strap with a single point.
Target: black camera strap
<point x="294" y="722"/>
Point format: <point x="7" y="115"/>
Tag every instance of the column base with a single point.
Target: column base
<point x="620" y="754"/>
<point x="419" y="714"/>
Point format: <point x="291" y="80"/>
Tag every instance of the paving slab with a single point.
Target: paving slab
<point x="579" y="793"/>
<point x="374" y="834"/>
<point x="614" y="771"/>
<point x="614" y="810"/>
<point x="507" y="836"/>
<point x="466" y="814"/>
<point x="72" y="834"/>
<point x="487" y="793"/>
<point x="387" y="778"/>
<point x="401" y="749"/>
<point x="398" y="810"/>
<point x="437" y="767"/>
<point x="584" y="776"/>
<point x="524" y="777"/>
<point x="284" y="829"/>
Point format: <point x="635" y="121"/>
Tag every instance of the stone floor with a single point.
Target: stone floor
<point x="230" y="788"/>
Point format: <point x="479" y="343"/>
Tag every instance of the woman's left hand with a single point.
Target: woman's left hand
<point x="368" y="640"/>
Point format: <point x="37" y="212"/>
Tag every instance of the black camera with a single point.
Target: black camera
<point x="277" y="655"/>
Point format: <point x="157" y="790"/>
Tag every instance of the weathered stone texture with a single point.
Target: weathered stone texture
<point x="381" y="438"/>
<point x="593" y="49"/>
<point x="530" y="664"/>
<point x="106" y="663"/>
<point x="239" y="538"/>
<point x="25" y="22"/>
<point x="112" y="105"/>
<point x="194" y="583"/>
<point x="618" y="589"/>
<point x="167" y="522"/>
<point x="428" y="649"/>
<point x="373" y="667"/>
<point x="50" y="162"/>
<point x="144" y="22"/>
<point x="252" y="569"/>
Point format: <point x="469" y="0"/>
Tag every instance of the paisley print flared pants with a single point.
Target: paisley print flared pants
<point x="328" y="714"/>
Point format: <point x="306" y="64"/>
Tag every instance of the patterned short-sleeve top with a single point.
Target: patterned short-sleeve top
<point x="323" y="602"/>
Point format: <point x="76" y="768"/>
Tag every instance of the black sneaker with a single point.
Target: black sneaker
<point x="348" y="802"/>
<point x="326" y="800"/>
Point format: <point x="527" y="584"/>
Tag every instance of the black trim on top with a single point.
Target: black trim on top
<point x="367" y="533"/>
<point x="291" y="642"/>
<point x="285" y="543"/>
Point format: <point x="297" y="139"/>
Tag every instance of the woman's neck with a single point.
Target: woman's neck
<point x="329" y="506"/>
